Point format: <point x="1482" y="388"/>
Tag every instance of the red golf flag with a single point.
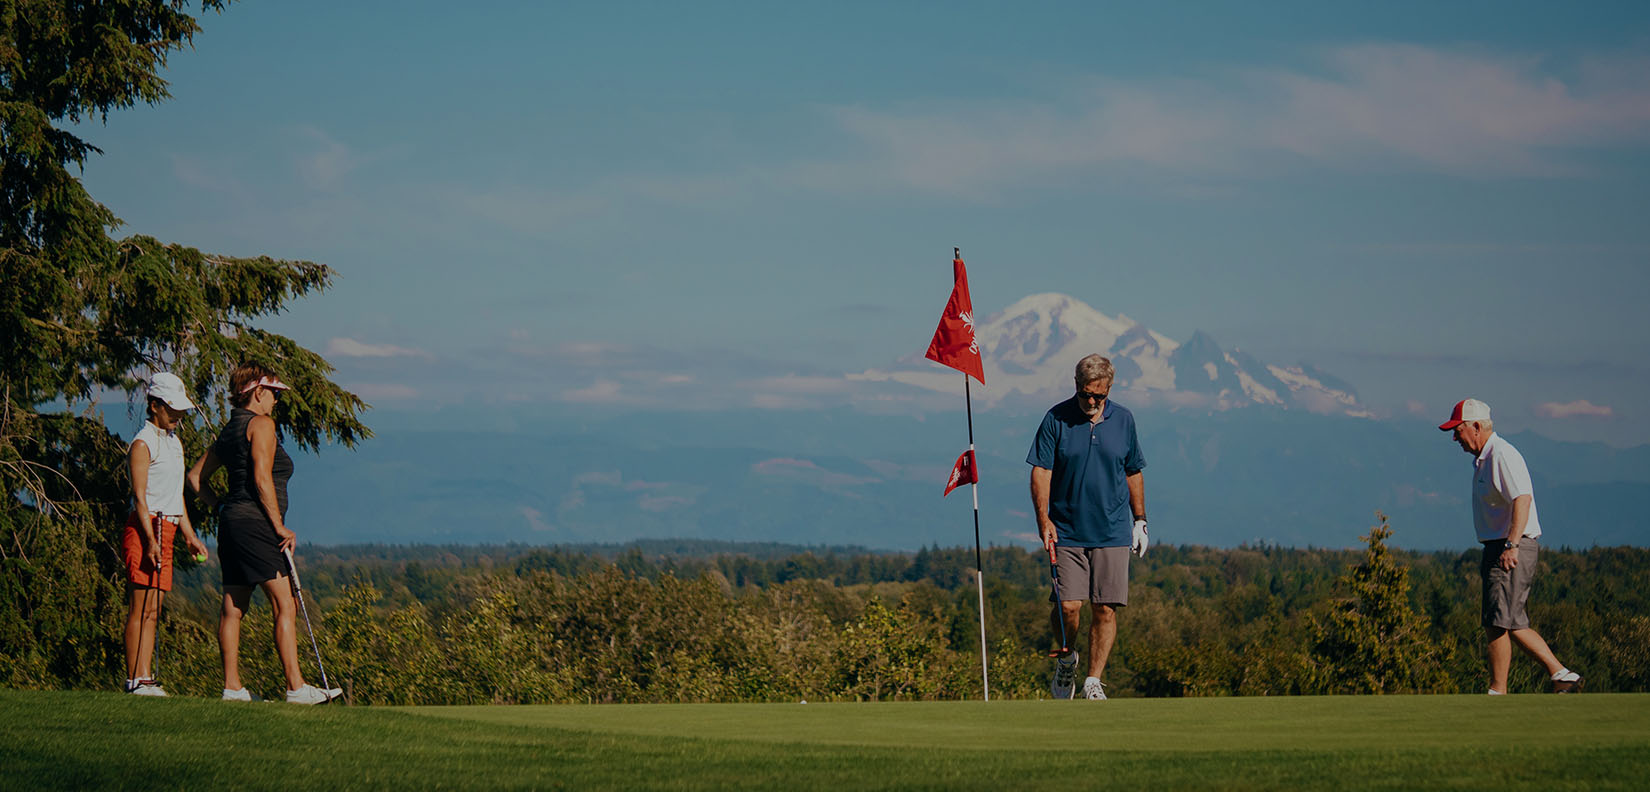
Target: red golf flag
<point x="954" y="343"/>
<point x="962" y="473"/>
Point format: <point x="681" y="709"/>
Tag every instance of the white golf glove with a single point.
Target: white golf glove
<point x="1140" y="538"/>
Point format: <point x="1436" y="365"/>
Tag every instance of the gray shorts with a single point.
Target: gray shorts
<point x="1098" y="574"/>
<point x="1505" y="593"/>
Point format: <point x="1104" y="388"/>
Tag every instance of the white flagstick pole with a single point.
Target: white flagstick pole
<point x="979" y="564"/>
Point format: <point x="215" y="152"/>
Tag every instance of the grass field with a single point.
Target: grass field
<point x="110" y="741"/>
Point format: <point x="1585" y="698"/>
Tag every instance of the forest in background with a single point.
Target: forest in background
<point x="688" y="621"/>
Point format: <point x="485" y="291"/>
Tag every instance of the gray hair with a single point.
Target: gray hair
<point x="1486" y="425"/>
<point x="1094" y="368"/>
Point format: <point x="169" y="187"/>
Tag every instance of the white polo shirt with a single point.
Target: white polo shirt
<point x="1499" y="477"/>
<point x="166" y="468"/>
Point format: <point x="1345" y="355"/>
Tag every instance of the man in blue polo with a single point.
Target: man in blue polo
<point x="1089" y="496"/>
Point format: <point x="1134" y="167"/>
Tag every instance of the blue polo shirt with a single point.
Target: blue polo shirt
<point x="1088" y="497"/>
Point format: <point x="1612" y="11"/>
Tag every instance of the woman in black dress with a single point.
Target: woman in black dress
<point x="252" y="531"/>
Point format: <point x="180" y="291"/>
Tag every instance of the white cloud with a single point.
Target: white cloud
<point x="611" y="478"/>
<point x="201" y="174"/>
<point x="590" y="350"/>
<point x="1482" y="113"/>
<point x="384" y="391"/>
<point x="601" y="391"/>
<point x="1579" y="408"/>
<point x="327" y="163"/>
<point x="664" y="503"/>
<point x="1356" y="107"/>
<point x="349" y="347"/>
<point x="527" y="210"/>
<point x="776" y="401"/>
<point x="535" y="519"/>
<point x="799" y="392"/>
<point x="1365" y="106"/>
<point x="809" y="472"/>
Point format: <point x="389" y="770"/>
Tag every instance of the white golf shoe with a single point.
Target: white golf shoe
<point x="146" y="687"/>
<point x="237" y="695"/>
<point x="310" y="694"/>
<point x="1065" y="677"/>
<point x="1566" y="681"/>
<point x="1094" y="689"/>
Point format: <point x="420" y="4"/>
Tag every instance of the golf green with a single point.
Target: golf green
<point x="79" y="740"/>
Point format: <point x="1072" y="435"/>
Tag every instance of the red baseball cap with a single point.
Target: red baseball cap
<point x="1466" y="410"/>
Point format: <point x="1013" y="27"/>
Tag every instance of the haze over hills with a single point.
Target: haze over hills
<point x="1029" y="348"/>
<point x="840" y="477"/>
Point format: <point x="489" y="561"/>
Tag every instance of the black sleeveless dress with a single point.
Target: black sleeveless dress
<point x="248" y="547"/>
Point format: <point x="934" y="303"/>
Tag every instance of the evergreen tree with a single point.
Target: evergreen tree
<point x="1373" y="640"/>
<point x="84" y="314"/>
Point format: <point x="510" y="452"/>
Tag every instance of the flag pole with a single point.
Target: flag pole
<point x="956" y="346"/>
<point x="979" y="564"/>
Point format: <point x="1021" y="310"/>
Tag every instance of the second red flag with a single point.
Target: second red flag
<point x="962" y="473"/>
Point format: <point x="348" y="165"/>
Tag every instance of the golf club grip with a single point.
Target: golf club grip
<point x="292" y="567"/>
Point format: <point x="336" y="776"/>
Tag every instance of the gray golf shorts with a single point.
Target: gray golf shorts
<point x="1505" y="593"/>
<point x="1098" y="574"/>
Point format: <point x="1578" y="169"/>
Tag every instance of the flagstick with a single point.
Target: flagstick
<point x="979" y="564"/>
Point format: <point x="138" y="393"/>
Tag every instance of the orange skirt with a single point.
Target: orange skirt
<point x="139" y="569"/>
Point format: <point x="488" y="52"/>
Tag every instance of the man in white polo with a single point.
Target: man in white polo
<point x="1504" y="514"/>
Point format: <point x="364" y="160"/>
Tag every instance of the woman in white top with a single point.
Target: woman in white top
<point x="157" y="467"/>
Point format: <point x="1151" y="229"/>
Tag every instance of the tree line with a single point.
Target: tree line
<point x="518" y="624"/>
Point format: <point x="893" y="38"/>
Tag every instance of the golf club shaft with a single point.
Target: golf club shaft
<point x="149" y="593"/>
<point x="298" y="592"/>
<point x="143" y="618"/>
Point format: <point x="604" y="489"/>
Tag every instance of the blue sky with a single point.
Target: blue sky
<point x="734" y="204"/>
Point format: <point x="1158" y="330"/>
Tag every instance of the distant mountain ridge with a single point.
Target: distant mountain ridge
<point x="1028" y="350"/>
<point x="843" y="478"/>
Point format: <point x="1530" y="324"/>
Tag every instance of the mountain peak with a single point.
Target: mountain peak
<point x="1029" y="348"/>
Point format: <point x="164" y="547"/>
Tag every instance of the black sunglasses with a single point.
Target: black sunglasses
<point x="1093" y="396"/>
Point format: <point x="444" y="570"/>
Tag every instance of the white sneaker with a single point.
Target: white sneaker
<point x="1494" y="692"/>
<point x="1065" y="677"/>
<point x="1566" y="681"/>
<point x="146" y="687"/>
<point x="237" y="695"/>
<point x="1094" y="689"/>
<point x="310" y="694"/>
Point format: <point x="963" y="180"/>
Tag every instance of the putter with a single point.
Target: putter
<point x="298" y="591"/>
<point x="1054" y="575"/>
<point x="154" y="640"/>
<point x="154" y="580"/>
<point x="131" y="673"/>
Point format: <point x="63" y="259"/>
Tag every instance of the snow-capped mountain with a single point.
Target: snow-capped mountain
<point x="1030" y="347"/>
